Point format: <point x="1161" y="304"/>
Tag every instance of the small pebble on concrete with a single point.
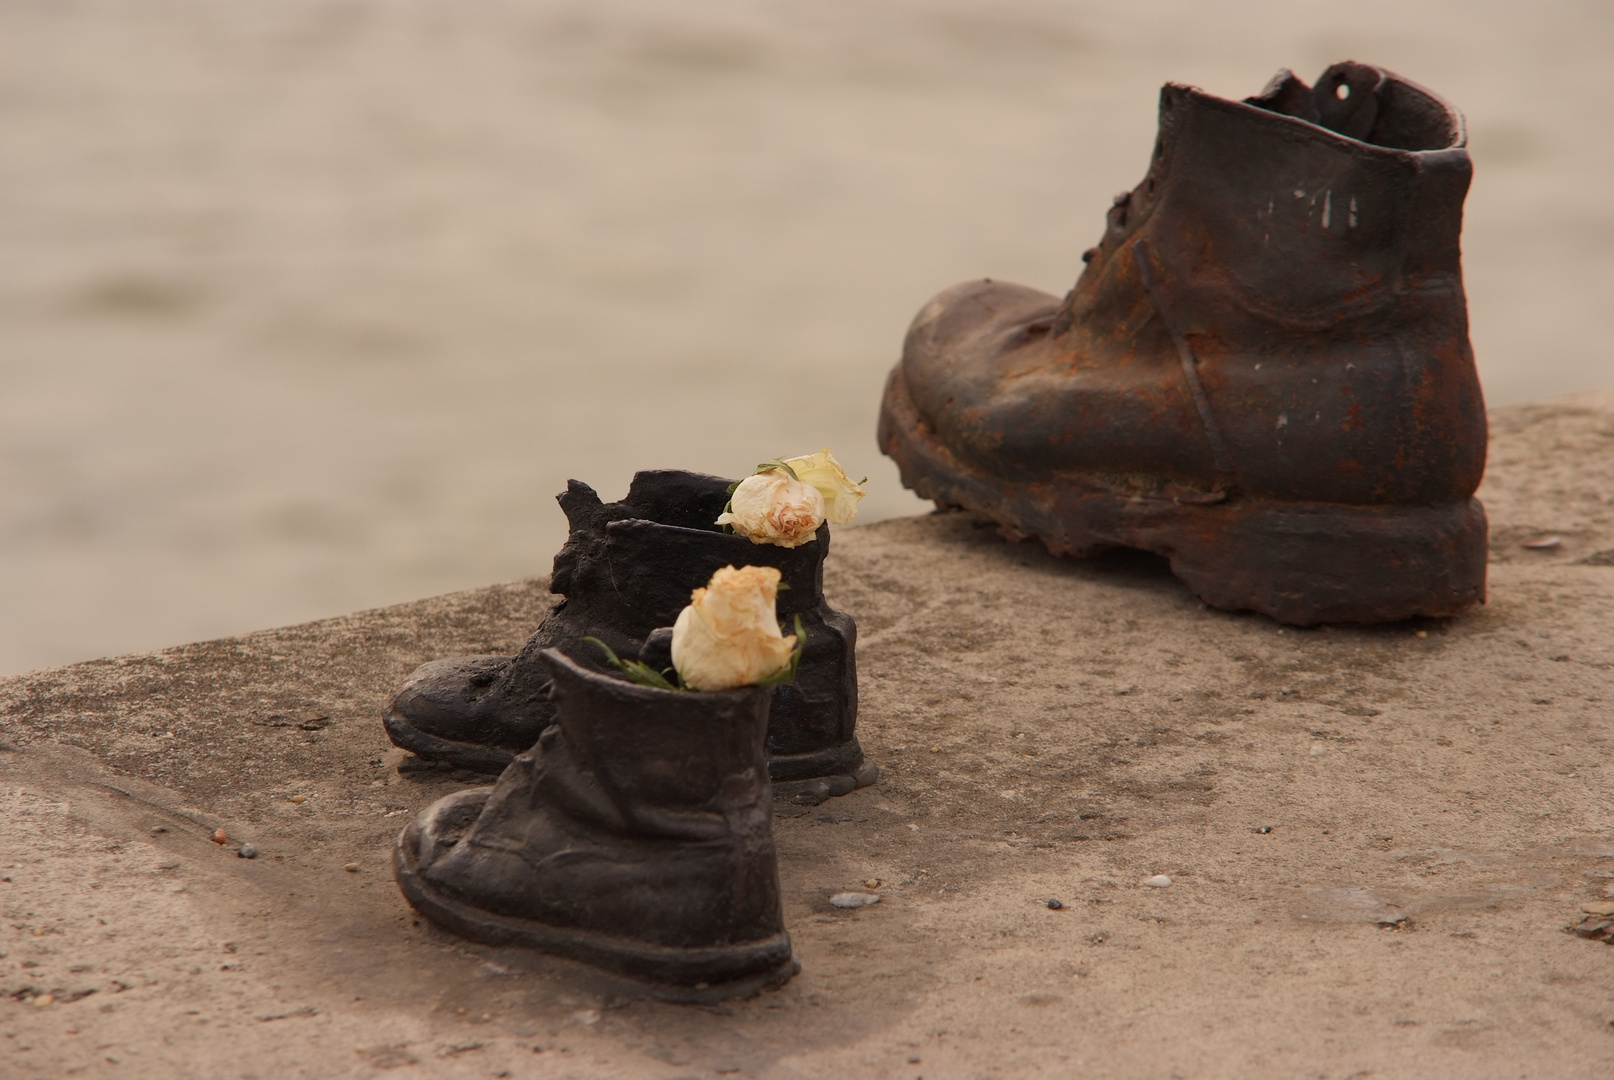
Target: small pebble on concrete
<point x="853" y="899"/>
<point x="1159" y="881"/>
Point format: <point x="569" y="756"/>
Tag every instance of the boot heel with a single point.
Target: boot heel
<point x="1316" y="563"/>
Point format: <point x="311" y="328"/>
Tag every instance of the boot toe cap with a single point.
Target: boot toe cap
<point x="459" y="700"/>
<point x="960" y="349"/>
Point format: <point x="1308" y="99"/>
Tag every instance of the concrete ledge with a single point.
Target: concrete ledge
<point x="1376" y="838"/>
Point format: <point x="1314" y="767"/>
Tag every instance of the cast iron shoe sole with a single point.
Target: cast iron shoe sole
<point x="804" y="779"/>
<point x="474" y="757"/>
<point x="690" y="975"/>
<point x="1301" y="563"/>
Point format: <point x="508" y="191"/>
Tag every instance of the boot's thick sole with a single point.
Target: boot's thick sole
<point x="1301" y="563"/>
<point x="694" y="975"/>
<point x="802" y="778"/>
<point x="843" y="773"/>
<point x="475" y="757"/>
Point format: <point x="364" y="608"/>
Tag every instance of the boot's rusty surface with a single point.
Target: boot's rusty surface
<point x="635" y="836"/>
<point x="1264" y="372"/>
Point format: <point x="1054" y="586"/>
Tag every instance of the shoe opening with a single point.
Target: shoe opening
<point x="1364" y="102"/>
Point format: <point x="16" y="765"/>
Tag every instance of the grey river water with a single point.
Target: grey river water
<point x="313" y="305"/>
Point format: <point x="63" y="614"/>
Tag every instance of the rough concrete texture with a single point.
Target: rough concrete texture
<point x="1436" y="793"/>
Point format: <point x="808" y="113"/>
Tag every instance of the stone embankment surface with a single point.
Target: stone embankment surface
<point x="1376" y="839"/>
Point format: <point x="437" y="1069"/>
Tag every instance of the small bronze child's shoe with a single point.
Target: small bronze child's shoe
<point x="636" y="836"/>
<point x="628" y="568"/>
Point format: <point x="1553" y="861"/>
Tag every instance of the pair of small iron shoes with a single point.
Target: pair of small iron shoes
<point x="631" y="827"/>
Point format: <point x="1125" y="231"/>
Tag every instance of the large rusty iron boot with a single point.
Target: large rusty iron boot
<point x="635" y="836"/>
<point x="627" y="568"/>
<point x="1263" y="374"/>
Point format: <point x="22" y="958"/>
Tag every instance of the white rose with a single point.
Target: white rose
<point x="823" y="472"/>
<point x="771" y="508"/>
<point x="729" y="635"/>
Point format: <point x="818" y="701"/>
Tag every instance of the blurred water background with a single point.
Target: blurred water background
<point x="313" y="305"/>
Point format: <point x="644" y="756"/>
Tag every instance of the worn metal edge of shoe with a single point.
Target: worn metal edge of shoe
<point x="812" y="778"/>
<point x="474" y="757"/>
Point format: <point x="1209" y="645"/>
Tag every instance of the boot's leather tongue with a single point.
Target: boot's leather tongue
<point x="1288" y="94"/>
<point x="689" y="500"/>
<point x="1347" y="98"/>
